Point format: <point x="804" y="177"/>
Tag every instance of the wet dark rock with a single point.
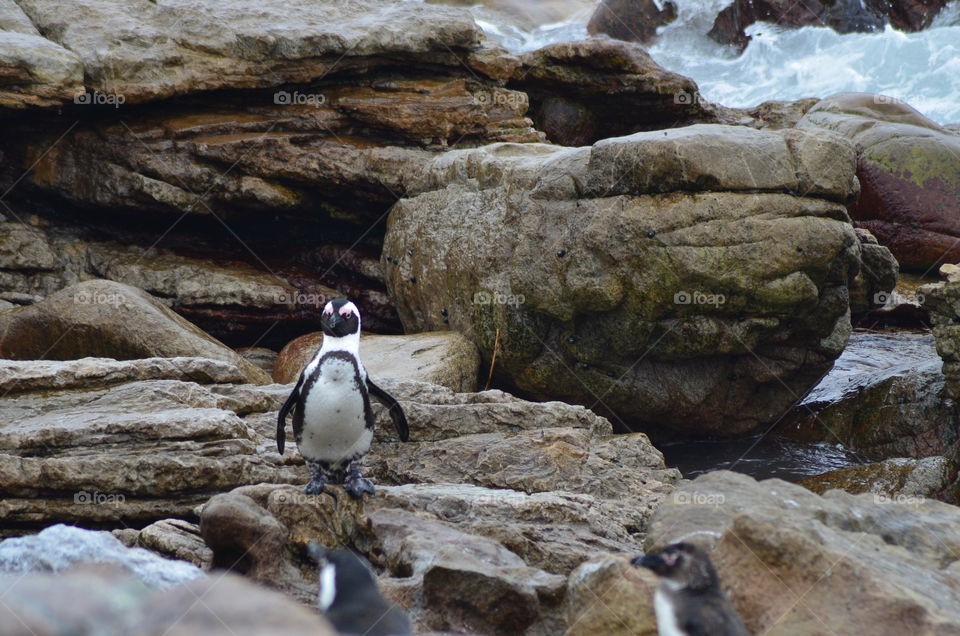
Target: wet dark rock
<point x="843" y="16"/>
<point x="882" y="399"/>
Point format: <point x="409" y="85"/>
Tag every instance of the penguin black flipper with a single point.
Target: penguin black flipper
<point x="282" y="416"/>
<point x="714" y="617"/>
<point x="396" y="411"/>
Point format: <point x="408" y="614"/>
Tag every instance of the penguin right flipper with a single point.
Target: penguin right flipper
<point x="395" y="410"/>
<point x="282" y="416"/>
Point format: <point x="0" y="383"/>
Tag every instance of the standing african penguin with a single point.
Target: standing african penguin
<point x="689" y="601"/>
<point x="332" y="418"/>
<point x="348" y="596"/>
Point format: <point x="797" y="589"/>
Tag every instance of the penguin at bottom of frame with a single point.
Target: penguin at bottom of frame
<point x="688" y="600"/>
<point x="349" y="598"/>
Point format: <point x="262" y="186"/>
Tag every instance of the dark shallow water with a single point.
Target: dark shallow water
<point x="868" y="358"/>
<point x="763" y="459"/>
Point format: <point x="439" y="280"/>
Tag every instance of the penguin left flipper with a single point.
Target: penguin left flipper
<point x="395" y="410"/>
<point x="282" y="415"/>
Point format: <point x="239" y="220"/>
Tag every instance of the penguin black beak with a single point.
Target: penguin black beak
<point x="649" y="561"/>
<point x="335" y="320"/>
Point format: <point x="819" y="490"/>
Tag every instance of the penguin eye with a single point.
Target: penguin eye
<point x="328" y="310"/>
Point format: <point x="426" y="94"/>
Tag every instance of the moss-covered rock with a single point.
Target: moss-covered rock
<point x="909" y="171"/>
<point x="648" y="276"/>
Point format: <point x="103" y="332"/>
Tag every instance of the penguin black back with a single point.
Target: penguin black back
<point x="689" y="600"/>
<point x="349" y="598"/>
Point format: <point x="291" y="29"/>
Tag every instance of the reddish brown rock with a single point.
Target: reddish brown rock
<point x="631" y="20"/>
<point x="909" y="172"/>
<point x="843" y="16"/>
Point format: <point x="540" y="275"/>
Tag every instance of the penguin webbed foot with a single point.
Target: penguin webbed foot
<point x="315" y="486"/>
<point x="358" y="486"/>
<point x="318" y="478"/>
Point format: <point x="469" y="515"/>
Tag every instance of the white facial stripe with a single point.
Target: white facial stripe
<point x="328" y="586"/>
<point x="328" y="309"/>
<point x="349" y="308"/>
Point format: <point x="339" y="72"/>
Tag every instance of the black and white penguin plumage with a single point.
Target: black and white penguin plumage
<point x="689" y="601"/>
<point x="349" y="598"/>
<point x="332" y="418"/>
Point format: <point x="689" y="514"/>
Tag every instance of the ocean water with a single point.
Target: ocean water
<point x="922" y="69"/>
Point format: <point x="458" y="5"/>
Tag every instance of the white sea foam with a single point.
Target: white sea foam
<point x="922" y="69"/>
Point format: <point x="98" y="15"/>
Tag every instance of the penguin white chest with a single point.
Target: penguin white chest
<point x="334" y="420"/>
<point x="666" y="615"/>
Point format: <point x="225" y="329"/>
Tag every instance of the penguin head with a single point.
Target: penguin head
<point x="683" y="565"/>
<point x="343" y="574"/>
<point x="340" y="318"/>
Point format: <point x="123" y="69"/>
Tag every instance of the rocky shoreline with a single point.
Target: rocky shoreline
<point x="183" y="186"/>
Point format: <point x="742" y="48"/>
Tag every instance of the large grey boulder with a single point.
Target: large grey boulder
<point x="35" y="71"/>
<point x="245" y="43"/>
<point x="100" y="318"/>
<point x="649" y="276"/>
<point x="445" y="358"/>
